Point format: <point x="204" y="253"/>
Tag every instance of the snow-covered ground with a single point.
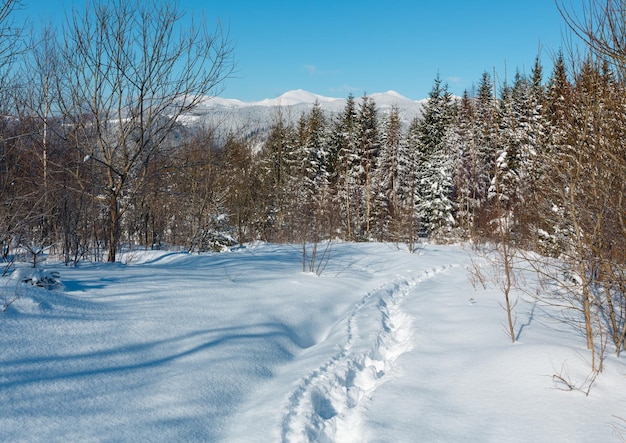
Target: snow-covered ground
<point x="384" y="346"/>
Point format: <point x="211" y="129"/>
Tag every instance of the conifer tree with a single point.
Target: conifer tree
<point x="519" y="125"/>
<point x="485" y="136"/>
<point x="437" y="117"/>
<point x="466" y="156"/>
<point x="386" y="180"/>
<point x="532" y="136"/>
<point x="277" y="164"/>
<point x="558" y="92"/>
<point x="410" y="159"/>
<point x="346" y="176"/>
<point x="312" y="182"/>
<point x="550" y="224"/>
<point x="436" y="184"/>
<point x="368" y="151"/>
<point x="537" y="86"/>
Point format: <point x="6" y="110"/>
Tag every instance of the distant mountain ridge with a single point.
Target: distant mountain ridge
<point x="300" y="96"/>
<point x="229" y="115"/>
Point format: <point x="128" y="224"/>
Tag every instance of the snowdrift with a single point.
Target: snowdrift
<point x="383" y="346"/>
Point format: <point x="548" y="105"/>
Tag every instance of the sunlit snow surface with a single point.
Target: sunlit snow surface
<point x="383" y="346"/>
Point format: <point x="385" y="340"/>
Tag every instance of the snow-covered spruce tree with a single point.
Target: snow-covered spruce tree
<point x="436" y="181"/>
<point x="550" y="229"/>
<point x="485" y="139"/>
<point x="539" y="130"/>
<point x="410" y="157"/>
<point x="386" y="207"/>
<point x="515" y="156"/>
<point x="314" y="139"/>
<point x="368" y="150"/>
<point x="511" y="194"/>
<point x="505" y="178"/>
<point x="311" y="184"/>
<point x="347" y="166"/>
<point x="277" y="162"/>
<point x="463" y="145"/>
<point x="436" y="204"/>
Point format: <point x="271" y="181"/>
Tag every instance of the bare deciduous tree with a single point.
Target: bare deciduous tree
<point x="134" y="69"/>
<point x="587" y="167"/>
<point x="601" y="25"/>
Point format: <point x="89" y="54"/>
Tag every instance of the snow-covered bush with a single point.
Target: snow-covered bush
<point x="37" y="277"/>
<point x="217" y="241"/>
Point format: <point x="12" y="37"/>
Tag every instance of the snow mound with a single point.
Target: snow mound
<point x="37" y="277"/>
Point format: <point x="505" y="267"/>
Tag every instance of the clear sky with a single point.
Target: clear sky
<point x="335" y="47"/>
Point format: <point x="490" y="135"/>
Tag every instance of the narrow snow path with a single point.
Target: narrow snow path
<point x="327" y="404"/>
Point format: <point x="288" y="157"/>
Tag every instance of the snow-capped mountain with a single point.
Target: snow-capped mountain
<point x="230" y="115"/>
<point x="301" y="97"/>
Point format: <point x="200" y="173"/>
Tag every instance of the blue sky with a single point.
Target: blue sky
<point x="339" y="47"/>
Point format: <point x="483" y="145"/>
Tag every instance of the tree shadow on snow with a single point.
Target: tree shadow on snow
<point x="215" y="367"/>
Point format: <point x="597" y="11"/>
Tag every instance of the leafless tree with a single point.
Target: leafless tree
<point x="585" y="185"/>
<point x="13" y="207"/>
<point x="134" y="69"/>
<point x="601" y="25"/>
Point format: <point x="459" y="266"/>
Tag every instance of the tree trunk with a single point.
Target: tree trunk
<point x="114" y="228"/>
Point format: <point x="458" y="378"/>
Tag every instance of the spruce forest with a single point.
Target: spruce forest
<point x="95" y="156"/>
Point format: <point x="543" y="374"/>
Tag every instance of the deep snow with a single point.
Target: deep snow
<point x="384" y="346"/>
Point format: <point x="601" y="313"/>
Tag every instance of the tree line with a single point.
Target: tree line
<point x="91" y="124"/>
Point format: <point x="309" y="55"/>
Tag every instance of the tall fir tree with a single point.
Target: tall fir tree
<point x="277" y="161"/>
<point x="312" y="182"/>
<point x="550" y="226"/>
<point x="410" y="157"/>
<point x="346" y="175"/>
<point x="368" y="151"/>
<point x="386" y="179"/>
<point x="486" y="139"/>
<point x="436" y="182"/>
<point x="505" y="181"/>
<point x="465" y="148"/>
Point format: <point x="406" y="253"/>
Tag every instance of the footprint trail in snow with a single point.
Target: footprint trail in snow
<point x="325" y="406"/>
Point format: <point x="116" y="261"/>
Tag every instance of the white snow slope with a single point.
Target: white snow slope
<point x="229" y="116"/>
<point x="384" y="346"/>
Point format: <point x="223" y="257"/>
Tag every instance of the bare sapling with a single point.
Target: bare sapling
<point x="314" y="260"/>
